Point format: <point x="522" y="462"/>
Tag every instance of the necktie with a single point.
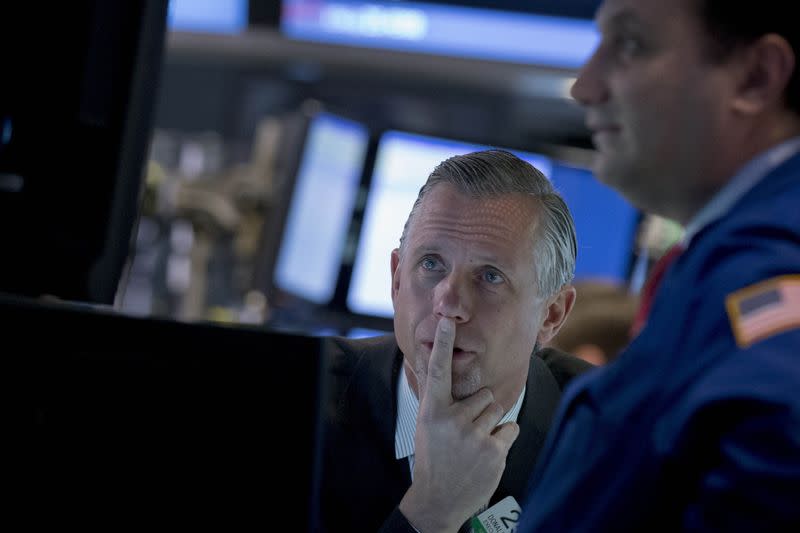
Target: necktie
<point x="650" y="288"/>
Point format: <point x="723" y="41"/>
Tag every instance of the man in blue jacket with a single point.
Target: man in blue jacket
<point x="695" y="111"/>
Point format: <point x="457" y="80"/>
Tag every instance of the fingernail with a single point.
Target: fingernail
<point x="446" y="325"/>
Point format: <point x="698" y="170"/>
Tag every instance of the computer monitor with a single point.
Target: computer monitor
<point x="321" y="208"/>
<point x="402" y="166"/>
<point x="208" y="16"/>
<point x="120" y="422"/>
<point x="605" y="224"/>
<point x="554" y="33"/>
<point x="77" y="97"/>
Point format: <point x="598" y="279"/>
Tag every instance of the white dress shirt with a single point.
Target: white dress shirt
<point x="406" y="427"/>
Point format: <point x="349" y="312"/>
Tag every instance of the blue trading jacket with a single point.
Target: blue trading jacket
<point x="688" y="430"/>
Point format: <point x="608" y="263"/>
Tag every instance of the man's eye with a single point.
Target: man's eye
<point x="493" y="277"/>
<point x="429" y="264"/>
<point x="628" y="46"/>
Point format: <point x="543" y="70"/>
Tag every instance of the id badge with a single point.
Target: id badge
<point x="502" y="517"/>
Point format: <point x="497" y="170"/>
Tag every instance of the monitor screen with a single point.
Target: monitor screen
<point x="605" y="224"/>
<point x="402" y="165"/>
<point x="482" y="30"/>
<point x="208" y="16"/>
<point x="129" y="421"/>
<point x="75" y="122"/>
<point x="321" y="208"/>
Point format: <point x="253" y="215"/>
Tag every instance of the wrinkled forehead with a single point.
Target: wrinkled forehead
<point x="513" y="215"/>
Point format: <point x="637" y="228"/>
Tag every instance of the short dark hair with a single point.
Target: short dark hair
<point x="731" y="24"/>
<point x="489" y="173"/>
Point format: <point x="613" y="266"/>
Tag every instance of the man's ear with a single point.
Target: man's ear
<point x="395" y="262"/>
<point x="766" y="68"/>
<point x="556" y="313"/>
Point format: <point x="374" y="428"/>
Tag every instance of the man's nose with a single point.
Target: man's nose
<point x="590" y="87"/>
<point x="453" y="298"/>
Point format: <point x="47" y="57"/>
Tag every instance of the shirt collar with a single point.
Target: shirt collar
<point x="744" y="180"/>
<point x="407" y="409"/>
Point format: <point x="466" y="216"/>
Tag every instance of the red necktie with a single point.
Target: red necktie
<point x="650" y="288"/>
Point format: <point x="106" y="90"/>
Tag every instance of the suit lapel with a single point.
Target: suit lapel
<point x="541" y="399"/>
<point x="374" y="385"/>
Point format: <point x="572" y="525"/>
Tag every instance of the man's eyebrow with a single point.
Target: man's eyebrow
<point x="621" y="18"/>
<point x="491" y="260"/>
<point x="425" y="249"/>
<point x="494" y="261"/>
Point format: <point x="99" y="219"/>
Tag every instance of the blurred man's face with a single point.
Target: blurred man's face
<point x="655" y="103"/>
<point x="471" y="260"/>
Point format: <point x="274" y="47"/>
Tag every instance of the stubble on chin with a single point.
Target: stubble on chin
<point x="467" y="384"/>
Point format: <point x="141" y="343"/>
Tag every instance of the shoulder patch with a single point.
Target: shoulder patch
<point x="765" y="309"/>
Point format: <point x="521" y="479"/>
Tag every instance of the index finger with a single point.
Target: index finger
<point x="439" y="383"/>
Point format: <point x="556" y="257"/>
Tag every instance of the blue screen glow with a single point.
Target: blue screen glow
<point x="209" y="16"/>
<point x="443" y="29"/>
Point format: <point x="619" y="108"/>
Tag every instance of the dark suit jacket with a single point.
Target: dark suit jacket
<point x="362" y="481"/>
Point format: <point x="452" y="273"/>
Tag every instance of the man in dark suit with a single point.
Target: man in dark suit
<point x="421" y="424"/>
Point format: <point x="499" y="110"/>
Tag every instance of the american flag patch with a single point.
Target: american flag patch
<point x="764" y="309"/>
